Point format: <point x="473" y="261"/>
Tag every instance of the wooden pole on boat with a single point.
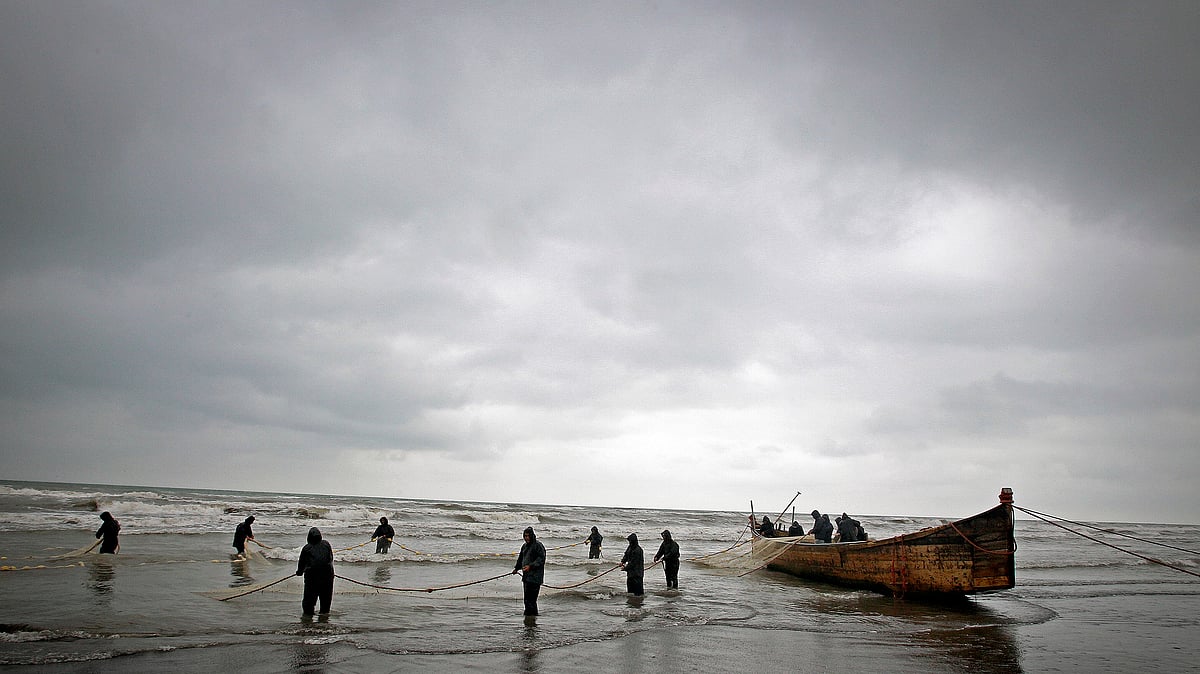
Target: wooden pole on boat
<point x="789" y="505"/>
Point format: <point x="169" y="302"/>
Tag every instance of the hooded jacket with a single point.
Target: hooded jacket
<point x="533" y="555"/>
<point x="669" y="550"/>
<point x="242" y="532"/>
<point x="633" y="559"/>
<point x="108" y="531"/>
<point x="316" y="558"/>
<point x="384" y="530"/>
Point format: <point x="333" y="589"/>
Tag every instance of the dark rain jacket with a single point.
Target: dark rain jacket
<point x="316" y="558"/>
<point x="108" y="531"/>
<point x="241" y="533"/>
<point x="848" y="529"/>
<point x="633" y="559"/>
<point x="767" y="528"/>
<point x="594" y="538"/>
<point x="668" y="551"/>
<point x="823" y="529"/>
<point x="384" y="531"/>
<point x="533" y="555"/>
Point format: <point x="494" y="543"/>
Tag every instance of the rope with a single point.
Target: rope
<point x="495" y="554"/>
<point x="421" y="589"/>
<point x="1108" y="531"/>
<point x="976" y="546"/>
<point x="736" y="543"/>
<point x="257" y="589"/>
<point x="355" y="546"/>
<point x="1114" y="547"/>
<point x="563" y="547"/>
<point x="596" y="577"/>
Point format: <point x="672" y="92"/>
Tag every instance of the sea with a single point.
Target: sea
<point x="443" y="598"/>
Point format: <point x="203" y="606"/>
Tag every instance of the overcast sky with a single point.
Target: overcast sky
<point x="893" y="255"/>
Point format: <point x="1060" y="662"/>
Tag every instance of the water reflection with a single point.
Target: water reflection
<point x="963" y="632"/>
<point x="101" y="577"/>
<point x="382" y="574"/>
<point x="240" y="571"/>
<point x="309" y="657"/>
<point x="529" y="645"/>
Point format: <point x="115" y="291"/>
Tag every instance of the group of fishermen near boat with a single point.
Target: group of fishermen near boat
<point x="848" y="529"/>
<point x="316" y="560"/>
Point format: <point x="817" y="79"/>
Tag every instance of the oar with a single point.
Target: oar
<point x="789" y="505"/>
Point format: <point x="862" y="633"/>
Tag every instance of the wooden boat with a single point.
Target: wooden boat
<point x="967" y="556"/>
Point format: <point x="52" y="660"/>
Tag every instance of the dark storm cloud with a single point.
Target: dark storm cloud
<point x="454" y="241"/>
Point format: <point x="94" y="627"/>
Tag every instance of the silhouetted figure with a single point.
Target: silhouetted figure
<point x="634" y="563"/>
<point x="847" y="528"/>
<point x="316" y="565"/>
<point x="795" y="529"/>
<point x="384" y="533"/>
<point x="669" y="553"/>
<point x="108" y="531"/>
<point x="594" y="539"/>
<point x="531" y="562"/>
<point x="822" y="529"/>
<point x="242" y="534"/>
<point x="767" y="528"/>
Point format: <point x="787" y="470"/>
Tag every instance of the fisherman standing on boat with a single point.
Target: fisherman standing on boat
<point x="822" y="528"/>
<point x="847" y="528"/>
<point x="594" y="539"/>
<point x="669" y="553"/>
<point x="108" y="531"/>
<point x="767" y="529"/>
<point x="384" y="533"/>
<point x="634" y="564"/>
<point x="531" y="562"/>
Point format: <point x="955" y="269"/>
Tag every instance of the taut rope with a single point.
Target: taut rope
<point x="1114" y="547"/>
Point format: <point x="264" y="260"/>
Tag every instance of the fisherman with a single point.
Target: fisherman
<point x="795" y="529"/>
<point x="669" y="553"/>
<point x="316" y="565"/>
<point x="241" y="535"/>
<point x="108" y="531"/>
<point x="594" y="539"/>
<point x="822" y="529"/>
<point x="767" y="529"/>
<point x="384" y="533"/>
<point x="531" y="562"/>
<point x="633" y="562"/>
<point x="847" y="528"/>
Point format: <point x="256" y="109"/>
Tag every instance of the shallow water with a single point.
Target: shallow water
<point x="1078" y="606"/>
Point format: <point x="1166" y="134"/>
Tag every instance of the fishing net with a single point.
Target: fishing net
<point x="77" y="553"/>
<point x="748" y="555"/>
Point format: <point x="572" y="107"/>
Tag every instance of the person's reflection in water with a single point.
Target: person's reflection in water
<point x="529" y="645"/>
<point x="100" y="580"/>
<point x="309" y="657"/>
<point x="241" y="574"/>
<point x="383" y="574"/>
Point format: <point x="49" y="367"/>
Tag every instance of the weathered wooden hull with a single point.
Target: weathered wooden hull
<point x="963" y="557"/>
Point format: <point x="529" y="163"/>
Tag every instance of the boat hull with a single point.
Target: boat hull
<point x="963" y="557"/>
